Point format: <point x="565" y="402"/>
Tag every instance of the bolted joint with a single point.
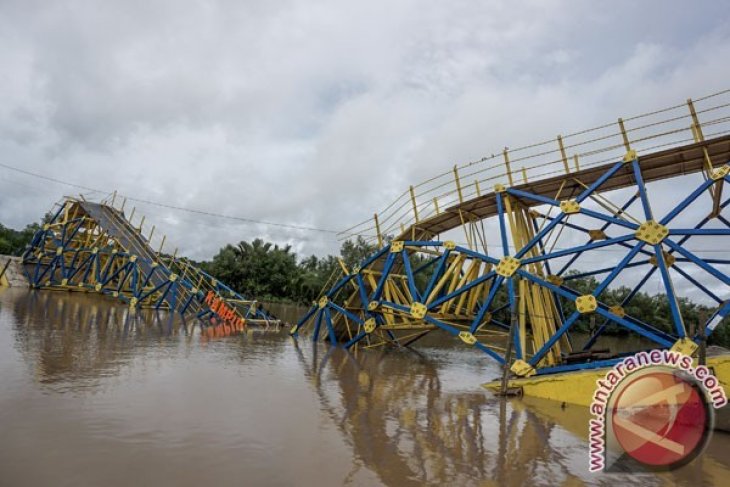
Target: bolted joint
<point x="522" y="368"/>
<point x="597" y="234"/>
<point x="554" y="280"/>
<point x="685" y="346"/>
<point x="133" y="302"/>
<point x="720" y="173"/>
<point x="449" y="245"/>
<point x="64" y="282"/>
<point x="294" y="330"/>
<point x="586" y="304"/>
<point x="618" y="311"/>
<point x="132" y="258"/>
<point x="323" y="302"/>
<point x="569" y="207"/>
<point x="396" y="246"/>
<point x="507" y="266"/>
<point x="173" y="277"/>
<point x="59" y="250"/>
<point x="652" y="232"/>
<point x="97" y="288"/>
<point x="499" y="188"/>
<point x="630" y="156"/>
<point x="669" y="259"/>
<point x="467" y="338"/>
<point x="373" y="305"/>
<point x="418" y="310"/>
<point x="369" y="325"/>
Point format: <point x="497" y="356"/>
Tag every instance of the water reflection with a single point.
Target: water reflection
<point x="411" y="429"/>
<point x="403" y="423"/>
<point x="81" y="337"/>
<point x="93" y="389"/>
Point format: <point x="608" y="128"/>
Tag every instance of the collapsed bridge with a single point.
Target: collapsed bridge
<point x="606" y="216"/>
<point x="95" y="247"/>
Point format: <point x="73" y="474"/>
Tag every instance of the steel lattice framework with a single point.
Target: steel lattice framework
<point x="93" y="247"/>
<point x="518" y="304"/>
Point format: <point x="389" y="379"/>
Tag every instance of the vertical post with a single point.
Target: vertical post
<point x="715" y="192"/>
<point x="625" y="136"/>
<point x="458" y="184"/>
<point x="131" y="215"/>
<point x="699" y="136"/>
<point x="695" y="136"/>
<point x="696" y="127"/>
<point x="466" y="230"/>
<point x="162" y="244"/>
<point x="562" y="155"/>
<point x="413" y="201"/>
<point x="508" y="352"/>
<point x="703" y="339"/>
<point x="703" y="345"/>
<point x="592" y="325"/>
<point x="141" y="223"/>
<point x="174" y="255"/>
<point x="509" y="170"/>
<point x="114" y="197"/>
<point x="575" y="160"/>
<point x="377" y="230"/>
<point x="152" y="232"/>
<point x="476" y="185"/>
<point x="124" y="202"/>
<point x="436" y="205"/>
<point x="524" y="174"/>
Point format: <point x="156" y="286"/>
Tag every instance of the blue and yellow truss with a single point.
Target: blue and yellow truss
<point x="94" y="247"/>
<point x="518" y="304"/>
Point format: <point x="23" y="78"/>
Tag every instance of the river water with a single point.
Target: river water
<point x="90" y="396"/>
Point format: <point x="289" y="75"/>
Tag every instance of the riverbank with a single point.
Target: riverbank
<point x="11" y="270"/>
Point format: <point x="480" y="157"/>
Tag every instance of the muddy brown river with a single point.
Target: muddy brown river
<point x="91" y="396"/>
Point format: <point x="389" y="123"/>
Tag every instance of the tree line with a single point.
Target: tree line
<point x="270" y="272"/>
<point x="13" y="242"/>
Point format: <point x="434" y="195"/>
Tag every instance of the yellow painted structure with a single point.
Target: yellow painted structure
<point x="577" y="387"/>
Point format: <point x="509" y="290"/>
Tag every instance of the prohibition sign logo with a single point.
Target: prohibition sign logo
<point x="660" y="417"/>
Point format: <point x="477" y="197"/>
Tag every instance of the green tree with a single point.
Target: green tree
<point x="354" y="253"/>
<point x="14" y="242"/>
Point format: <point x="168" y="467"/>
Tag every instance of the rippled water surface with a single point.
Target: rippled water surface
<point x="90" y="396"/>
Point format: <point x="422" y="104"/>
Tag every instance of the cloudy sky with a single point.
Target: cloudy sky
<point x="315" y="113"/>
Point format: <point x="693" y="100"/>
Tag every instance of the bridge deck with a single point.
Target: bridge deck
<point x="687" y="159"/>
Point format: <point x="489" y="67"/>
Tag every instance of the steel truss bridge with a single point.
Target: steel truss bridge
<point x="95" y="247"/>
<point x="635" y="203"/>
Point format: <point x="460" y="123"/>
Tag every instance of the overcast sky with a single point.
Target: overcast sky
<point x="317" y="112"/>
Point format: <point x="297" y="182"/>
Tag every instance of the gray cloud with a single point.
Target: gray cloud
<point x="317" y="113"/>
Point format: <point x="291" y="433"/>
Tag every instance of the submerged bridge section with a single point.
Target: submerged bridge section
<point x="94" y="247"/>
<point x="556" y="241"/>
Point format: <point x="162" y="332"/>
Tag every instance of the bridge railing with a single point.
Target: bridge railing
<point x="674" y="126"/>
